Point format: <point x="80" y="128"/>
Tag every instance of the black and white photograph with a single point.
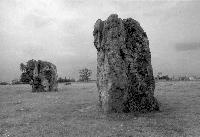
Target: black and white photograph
<point x="99" y="68"/>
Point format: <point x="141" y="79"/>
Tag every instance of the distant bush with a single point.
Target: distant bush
<point x="27" y="71"/>
<point x="162" y="77"/>
<point x="18" y="82"/>
<point x="63" y="80"/>
<point x="68" y="83"/>
<point x="166" y="77"/>
<point x="4" y="83"/>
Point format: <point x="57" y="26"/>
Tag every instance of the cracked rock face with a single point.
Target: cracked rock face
<point x="44" y="77"/>
<point x="125" y="79"/>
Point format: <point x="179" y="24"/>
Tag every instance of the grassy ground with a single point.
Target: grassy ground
<point x="72" y="112"/>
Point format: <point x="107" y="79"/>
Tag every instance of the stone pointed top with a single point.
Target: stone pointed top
<point x="112" y="18"/>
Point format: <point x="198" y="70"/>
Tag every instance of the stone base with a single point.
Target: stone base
<point x="122" y="101"/>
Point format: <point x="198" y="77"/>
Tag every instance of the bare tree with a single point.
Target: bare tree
<point x="85" y="74"/>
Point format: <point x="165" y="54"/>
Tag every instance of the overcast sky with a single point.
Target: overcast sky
<point x="60" y="31"/>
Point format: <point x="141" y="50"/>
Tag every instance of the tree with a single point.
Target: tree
<point x="84" y="74"/>
<point x="25" y="78"/>
<point x="27" y="71"/>
<point x="22" y="67"/>
<point x="159" y="75"/>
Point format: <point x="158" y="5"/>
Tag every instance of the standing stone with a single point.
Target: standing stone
<point x="125" y="79"/>
<point x="44" y="77"/>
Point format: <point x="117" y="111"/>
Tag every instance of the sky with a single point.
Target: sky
<point x="60" y="31"/>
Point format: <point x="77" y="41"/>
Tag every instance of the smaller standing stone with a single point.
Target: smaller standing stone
<point x="44" y="77"/>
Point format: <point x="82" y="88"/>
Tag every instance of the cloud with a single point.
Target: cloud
<point x="187" y="46"/>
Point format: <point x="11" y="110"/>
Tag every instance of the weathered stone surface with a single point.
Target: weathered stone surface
<point x="124" y="73"/>
<point x="44" y="77"/>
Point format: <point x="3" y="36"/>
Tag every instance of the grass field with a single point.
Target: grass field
<point x="73" y="112"/>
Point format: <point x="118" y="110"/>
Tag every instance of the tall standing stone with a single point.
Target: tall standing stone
<point x="125" y="79"/>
